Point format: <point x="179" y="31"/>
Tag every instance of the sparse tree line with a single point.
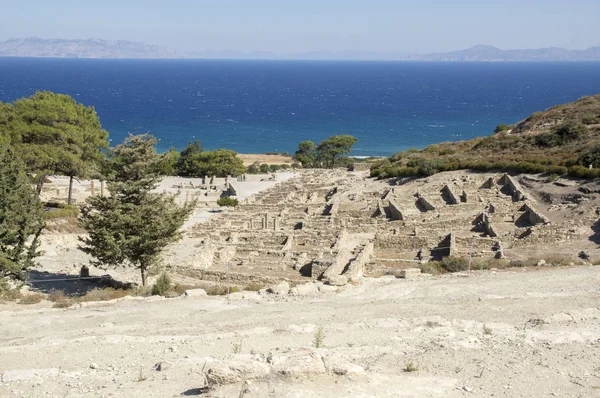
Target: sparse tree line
<point x="51" y="134"/>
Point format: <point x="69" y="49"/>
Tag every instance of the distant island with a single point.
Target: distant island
<point x="120" y="49"/>
<point x="91" y="48"/>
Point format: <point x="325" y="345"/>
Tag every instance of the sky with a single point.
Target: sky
<point x="288" y="26"/>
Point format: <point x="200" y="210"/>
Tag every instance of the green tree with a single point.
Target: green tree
<point x="329" y="150"/>
<point x="21" y="217"/>
<point x="306" y="154"/>
<point x="167" y="165"/>
<point x="53" y="134"/>
<point x="133" y="225"/>
<point x="194" y="161"/>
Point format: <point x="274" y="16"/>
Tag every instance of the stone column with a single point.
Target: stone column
<point x="92" y="191"/>
<point x="101" y="188"/>
<point x="266" y="221"/>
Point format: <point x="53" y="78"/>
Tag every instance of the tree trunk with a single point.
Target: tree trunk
<point x="40" y="184"/>
<point x="70" y="196"/>
<point x="143" y="272"/>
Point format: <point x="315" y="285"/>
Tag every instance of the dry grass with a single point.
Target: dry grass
<point x="254" y="287"/>
<point x="31" y="299"/>
<point x="60" y="300"/>
<point x="220" y="290"/>
<point x="249" y="159"/>
<point x="433" y="267"/>
<point x="64" y="226"/>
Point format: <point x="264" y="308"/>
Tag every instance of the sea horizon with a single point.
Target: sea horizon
<point x="259" y="106"/>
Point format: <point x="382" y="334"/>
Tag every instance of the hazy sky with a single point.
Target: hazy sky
<point x="304" y="25"/>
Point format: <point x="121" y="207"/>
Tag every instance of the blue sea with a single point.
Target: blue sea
<point x="270" y="106"/>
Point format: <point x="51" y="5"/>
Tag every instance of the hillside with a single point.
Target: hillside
<point x="92" y="48"/>
<point x="563" y="139"/>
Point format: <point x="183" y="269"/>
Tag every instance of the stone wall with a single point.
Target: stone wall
<point x="425" y="204"/>
<point x="513" y="187"/>
<point x="395" y="212"/>
<point x="356" y="267"/>
<point x="449" y="195"/>
<point x="534" y="216"/>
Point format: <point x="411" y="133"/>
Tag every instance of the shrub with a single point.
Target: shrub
<point x="590" y="157"/>
<point x="447" y="151"/>
<point x="454" y="264"/>
<point x="517" y="263"/>
<point x="7" y="291"/>
<point x="228" y="202"/>
<point x="254" y="168"/>
<point x="319" y="337"/>
<point x="433" y="268"/>
<point x="264" y="168"/>
<point x="589" y="119"/>
<point x="500" y="128"/>
<point x="62" y="212"/>
<point x="162" y="285"/>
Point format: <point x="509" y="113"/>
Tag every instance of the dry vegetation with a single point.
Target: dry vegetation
<point x="563" y="140"/>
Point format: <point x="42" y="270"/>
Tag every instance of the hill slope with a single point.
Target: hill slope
<point x="563" y="139"/>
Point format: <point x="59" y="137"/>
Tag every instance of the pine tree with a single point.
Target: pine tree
<point x="53" y="134"/>
<point x="133" y="225"/>
<point x="21" y="217"/>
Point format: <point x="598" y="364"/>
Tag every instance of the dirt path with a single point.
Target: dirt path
<point x="511" y="334"/>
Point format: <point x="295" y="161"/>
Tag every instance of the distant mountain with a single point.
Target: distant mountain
<point x="97" y="48"/>
<point x="494" y="54"/>
<point x="480" y="53"/>
<point x="92" y="48"/>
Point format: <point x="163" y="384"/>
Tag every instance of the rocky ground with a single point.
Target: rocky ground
<point x="524" y="333"/>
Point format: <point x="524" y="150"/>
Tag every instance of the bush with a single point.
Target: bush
<point x="500" y="128"/>
<point x="62" y="212"/>
<point x="162" y="285"/>
<point x="590" y="157"/>
<point x="433" y="268"/>
<point x="227" y="202"/>
<point x="264" y="168"/>
<point x="254" y="168"/>
<point x="7" y="291"/>
<point x="455" y="264"/>
<point x="589" y="119"/>
<point x="517" y="263"/>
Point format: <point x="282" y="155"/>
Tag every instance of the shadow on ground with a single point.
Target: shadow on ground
<point x="71" y="285"/>
<point x="596" y="236"/>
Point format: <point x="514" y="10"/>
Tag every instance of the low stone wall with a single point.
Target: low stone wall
<point x="400" y="242"/>
<point x="221" y="276"/>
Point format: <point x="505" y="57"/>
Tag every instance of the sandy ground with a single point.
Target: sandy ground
<point x="529" y="333"/>
<point x="250" y="158"/>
